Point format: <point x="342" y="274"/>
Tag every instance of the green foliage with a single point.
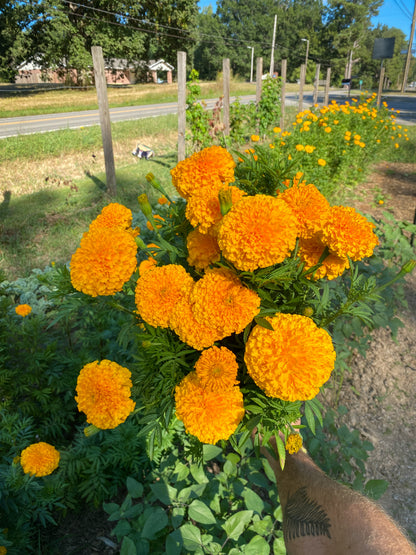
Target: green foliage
<point x="224" y="503"/>
<point x="197" y="117"/>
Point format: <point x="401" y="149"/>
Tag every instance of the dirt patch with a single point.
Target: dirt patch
<point x="382" y="401"/>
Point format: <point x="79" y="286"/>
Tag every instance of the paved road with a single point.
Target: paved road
<point x="49" y="122"/>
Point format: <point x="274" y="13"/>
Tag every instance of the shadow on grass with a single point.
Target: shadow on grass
<point x="97" y="181"/>
<point x="4" y="206"/>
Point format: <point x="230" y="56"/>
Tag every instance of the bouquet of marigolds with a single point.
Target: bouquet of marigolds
<point x="228" y="307"/>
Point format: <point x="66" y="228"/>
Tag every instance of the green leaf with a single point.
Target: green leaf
<point x="263" y="527"/>
<point x="122" y="529"/>
<point x="257" y="546"/>
<point x="134" y="487"/>
<point x="174" y="543"/>
<point x="376" y="488"/>
<point x="310" y="418"/>
<point x="134" y="511"/>
<point x="128" y="547"/>
<point x="177" y="516"/>
<point x="234" y="526"/>
<point x="164" y="492"/>
<point x="194" y="491"/>
<point x="268" y="470"/>
<point x="279" y="547"/>
<point x="263" y="323"/>
<point x="199" y="512"/>
<point x="253" y="501"/>
<point x="191" y="537"/>
<point x="156" y="521"/>
<point x="281" y="450"/>
<point x="211" y="452"/>
<point x="110" y="508"/>
<point x="197" y="471"/>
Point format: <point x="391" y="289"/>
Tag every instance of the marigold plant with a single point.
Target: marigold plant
<point x="292" y="360"/>
<point x="104" y="261"/>
<point x="40" y="459"/>
<point x="23" y="310"/>
<point x="103" y="393"/>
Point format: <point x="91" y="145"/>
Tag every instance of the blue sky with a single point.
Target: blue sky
<point x="393" y="13"/>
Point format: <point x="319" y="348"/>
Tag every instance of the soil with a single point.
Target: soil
<point x="379" y="391"/>
<point x="382" y="401"/>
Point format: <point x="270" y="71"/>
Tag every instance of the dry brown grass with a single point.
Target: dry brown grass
<point x="23" y="176"/>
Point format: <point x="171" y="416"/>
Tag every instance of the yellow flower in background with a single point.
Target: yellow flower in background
<point x="309" y="148"/>
<point x="220" y="301"/>
<point x="159" y="290"/>
<point x="203" y="207"/>
<point x="293" y="444"/>
<point x="208" y="414"/>
<point x="203" y="249"/>
<point x="156" y="218"/>
<point x="162" y="200"/>
<point x="211" y="167"/>
<point x="39" y="459"/>
<point x="321" y="162"/>
<point x="104" y="261"/>
<point x="23" y="310"/>
<point x="311" y="250"/>
<point x="348" y="233"/>
<point x="277" y="130"/>
<point x="299" y="148"/>
<point x="292" y="361"/>
<point x="309" y="206"/>
<point x="103" y="393"/>
<point x="328" y="129"/>
<point x="255" y="138"/>
<point x="257" y="232"/>
<point x="217" y="368"/>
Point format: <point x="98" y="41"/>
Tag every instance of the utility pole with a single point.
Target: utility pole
<point x="252" y="59"/>
<point x="409" y="51"/>
<point x="272" y="56"/>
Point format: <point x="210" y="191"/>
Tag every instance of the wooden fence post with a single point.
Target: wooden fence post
<point x="101" y="87"/>
<point x="327" y="84"/>
<point x="301" y="85"/>
<point x="181" y="57"/>
<point x="226" y="91"/>
<point x="316" y="84"/>
<point x="380" y="86"/>
<point x="283" y="94"/>
<point x="259" y="75"/>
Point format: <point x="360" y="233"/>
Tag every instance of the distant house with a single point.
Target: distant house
<point x="118" y="71"/>
<point x="161" y="65"/>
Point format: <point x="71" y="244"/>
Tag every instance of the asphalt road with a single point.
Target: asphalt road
<point x="50" y="122"/>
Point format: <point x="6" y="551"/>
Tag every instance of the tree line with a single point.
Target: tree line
<point x="59" y="34"/>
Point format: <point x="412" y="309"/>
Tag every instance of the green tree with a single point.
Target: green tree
<point x="59" y="34"/>
<point x="211" y="45"/>
<point x="344" y="35"/>
<point x="14" y="19"/>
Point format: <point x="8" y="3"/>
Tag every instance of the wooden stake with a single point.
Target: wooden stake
<point x="181" y="57"/>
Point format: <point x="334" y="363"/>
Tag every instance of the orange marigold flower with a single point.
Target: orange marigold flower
<point x="208" y="168"/>
<point x="162" y="200"/>
<point x="255" y="138"/>
<point x="311" y="250"/>
<point x="299" y="148"/>
<point x="217" y="368"/>
<point x="293" y="443"/>
<point x="113" y="215"/>
<point x="104" y="261"/>
<point x="203" y="206"/>
<point x="348" y="233"/>
<point x="220" y="301"/>
<point x="23" y="310"/>
<point x="257" y="232"/>
<point x="103" y="393"/>
<point x="309" y="148"/>
<point x="308" y="204"/>
<point x="292" y="361"/>
<point x="209" y="415"/>
<point x="196" y="334"/>
<point x="158" y="291"/>
<point x="321" y="162"/>
<point x="203" y="249"/>
<point x="39" y="459"/>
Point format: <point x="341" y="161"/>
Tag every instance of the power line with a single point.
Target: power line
<point x="403" y="8"/>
